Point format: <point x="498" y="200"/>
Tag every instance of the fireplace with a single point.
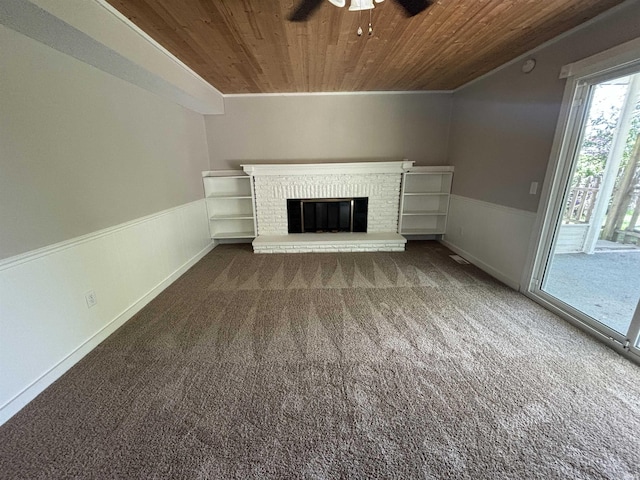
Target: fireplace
<point x="327" y="215"/>
<point x="325" y="186"/>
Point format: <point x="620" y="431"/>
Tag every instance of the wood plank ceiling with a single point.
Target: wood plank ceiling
<point x="248" y="46"/>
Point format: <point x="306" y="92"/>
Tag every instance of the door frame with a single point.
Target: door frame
<point x="574" y="108"/>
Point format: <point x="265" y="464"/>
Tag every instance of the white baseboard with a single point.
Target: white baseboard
<point x="497" y="274"/>
<point x="493" y="237"/>
<point x="192" y="241"/>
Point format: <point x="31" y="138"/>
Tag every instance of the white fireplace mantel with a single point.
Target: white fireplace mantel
<point x="398" y="167"/>
<point x="379" y="181"/>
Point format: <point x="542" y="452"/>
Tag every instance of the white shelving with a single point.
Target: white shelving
<point x="424" y="203"/>
<point x="230" y="205"/>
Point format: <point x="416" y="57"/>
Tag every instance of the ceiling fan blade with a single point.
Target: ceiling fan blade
<point x="304" y="10"/>
<point x="414" y="7"/>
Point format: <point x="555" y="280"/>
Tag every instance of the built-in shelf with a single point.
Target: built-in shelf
<point x="421" y="231"/>
<point x="222" y="196"/>
<point x="230" y="206"/>
<point x="238" y="216"/>
<point x="230" y="235"/>
<point x="424" y="203"/>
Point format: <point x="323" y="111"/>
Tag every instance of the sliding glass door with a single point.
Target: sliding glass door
<point x="590" y="266"/>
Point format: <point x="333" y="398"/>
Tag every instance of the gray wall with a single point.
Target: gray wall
<point x="81" y="150"/>
<point x="330" y="127"/>
<point x="503" y="126"/>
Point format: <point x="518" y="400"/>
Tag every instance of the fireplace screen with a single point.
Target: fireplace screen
<point x="322" y="215"/>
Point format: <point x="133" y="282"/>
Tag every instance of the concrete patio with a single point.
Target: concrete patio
<point x="604" y="285"/>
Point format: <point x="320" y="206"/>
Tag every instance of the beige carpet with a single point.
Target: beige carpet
<point x="403" y="365"/>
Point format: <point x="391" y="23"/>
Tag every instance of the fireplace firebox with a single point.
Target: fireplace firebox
<point x="324" y="215"/>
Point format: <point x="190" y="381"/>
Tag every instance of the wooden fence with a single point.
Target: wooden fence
<point x="581" y="200"/>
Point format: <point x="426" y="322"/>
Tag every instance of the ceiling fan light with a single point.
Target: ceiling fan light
<point x="357" y="5"/>
<point x="339" y="3"/>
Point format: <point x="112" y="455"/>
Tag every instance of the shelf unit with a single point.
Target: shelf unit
<point x="424" y="201"/>
<point x="230" y="206"/>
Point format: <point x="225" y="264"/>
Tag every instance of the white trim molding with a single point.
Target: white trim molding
<point x="358" y="93"/>
<point x="42" y="294"/>
<point x="357" y="168"/>
<point x="56" y="247"/>
<point x="581" y="75"/>
<point x="617" y="57"/>
<point x="493" y="237"/>
<point x="565" y="144"/>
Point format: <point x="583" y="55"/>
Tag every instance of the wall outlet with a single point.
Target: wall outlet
<point x="91" y="298"/>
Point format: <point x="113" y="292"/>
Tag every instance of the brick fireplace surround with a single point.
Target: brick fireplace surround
<point x="379" y="181"/>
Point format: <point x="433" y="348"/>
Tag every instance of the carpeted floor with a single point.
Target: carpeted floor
<point x="403" y="365"/>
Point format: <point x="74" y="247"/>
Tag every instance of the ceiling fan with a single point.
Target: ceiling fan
<point x="306" y="8"/>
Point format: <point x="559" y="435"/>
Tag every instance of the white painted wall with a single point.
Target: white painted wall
<point x="100" y="189"/>
<point x="100" y="183"/>
<point x="348" y="127"/>
<point x="502" y="132"/>
<point x="492" y="237"/>
<point x="45" y="324"/>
